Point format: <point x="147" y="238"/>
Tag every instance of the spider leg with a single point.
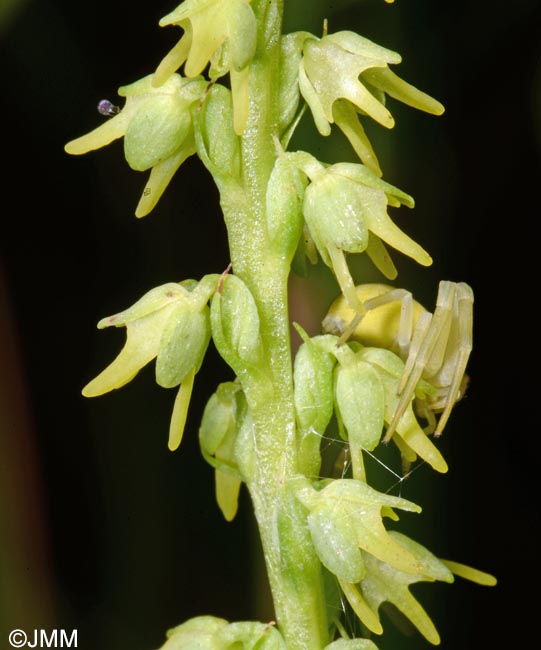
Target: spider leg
<point x="413" y="370"/>
<point x="427" y="349"/>
<point x="464" y="302"/>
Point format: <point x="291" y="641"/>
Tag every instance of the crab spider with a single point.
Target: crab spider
<point x="434" y="347"/>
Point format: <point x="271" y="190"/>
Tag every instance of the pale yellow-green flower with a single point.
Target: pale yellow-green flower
<point x="222" y="32"/>
<point x="156" y="124"/>
<point x="345" y="517"/>
<point x="344" y="74"/>
<point x="171" y="324"/>
<point x="345" y="209"/>
<point x="386" y="583"/>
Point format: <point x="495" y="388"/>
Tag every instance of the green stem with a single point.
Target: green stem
<point x="299" y="601"/>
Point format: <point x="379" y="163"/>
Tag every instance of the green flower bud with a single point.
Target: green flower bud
<point x="235" y="324"/>
<point x="219" y="417"/>
<point x="222" y="144"/>
<point x="217" y="437"/>
<point x="360" y="402"/>
<point x="285" y="192"/>
<point x="314" y="400"/>
<point x="334" y="207"/>
<point x="184" y="341"/>
<point x="288" y="90"/>
<point x="245" y="452"/>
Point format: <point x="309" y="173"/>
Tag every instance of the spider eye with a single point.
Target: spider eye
<point x="107" y="108"/>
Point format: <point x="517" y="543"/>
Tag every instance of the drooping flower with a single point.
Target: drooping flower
<point x="345" y="208"/>
<point x="222" y="32"/>
<point x="345" y="517"/>
<point x="156" y="124"/>
<point x="171" y="324"/>
<point x="386" y="583"/>
<point x="344" y="74"/>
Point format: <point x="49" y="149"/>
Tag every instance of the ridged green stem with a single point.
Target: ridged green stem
<point x="298" y="599"/>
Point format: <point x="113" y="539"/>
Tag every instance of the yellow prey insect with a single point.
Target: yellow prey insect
<point x="434" y="347"/>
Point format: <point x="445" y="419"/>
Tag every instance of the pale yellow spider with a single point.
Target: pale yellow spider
<point x="434" y="347"/>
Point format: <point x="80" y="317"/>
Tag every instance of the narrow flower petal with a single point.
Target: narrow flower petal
<point x="380" y="257"/>
<point x="160" y="177"/>
<point x="141" y="347"/>
<point x="361" y="607"/>
<point x="469" y="573"/>
<point x="411" y="433"/>
<point x="180" y="411"/>
<point x="174" y="59"/>
<point x="345" y="117"/>
<point x="382" y="225"/>
<point x="312" y="99"/>
<point x="111" y="130"/>
<point x="390" y="83"/>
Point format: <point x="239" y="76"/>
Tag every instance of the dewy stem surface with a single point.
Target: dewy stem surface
<point x="299" y="602"/>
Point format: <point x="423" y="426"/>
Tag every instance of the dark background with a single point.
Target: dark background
<point x="105" y="531"/>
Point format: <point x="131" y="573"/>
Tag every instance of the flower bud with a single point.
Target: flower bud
<point x="235" y="324"/>
<point x="361" y="404"/>
<point x="285" y="191"/>
<point x="217" y="438"/>
<point x="314" y="399"/>
<point x="184" y="341"/>
<point x="222" y="144"/>
<point x="333" y="209"/>
<point x="288" y="90"/>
